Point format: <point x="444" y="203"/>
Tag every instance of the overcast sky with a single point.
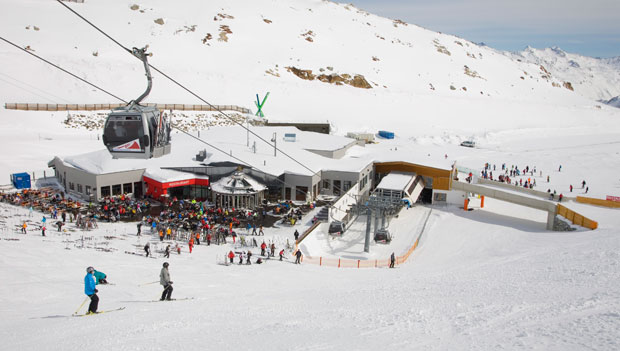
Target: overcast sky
<point x="587" y="27"/>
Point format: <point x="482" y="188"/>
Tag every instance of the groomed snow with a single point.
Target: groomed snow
<point x="490" y="278"/>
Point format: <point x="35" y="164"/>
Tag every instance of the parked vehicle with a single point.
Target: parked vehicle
<point x="468" y="143"/>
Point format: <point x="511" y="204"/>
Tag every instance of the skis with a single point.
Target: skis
<point x="99" y="312"/>
<point x="148" y="301"/>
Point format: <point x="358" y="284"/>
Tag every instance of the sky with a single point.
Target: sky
<point x="589" y="28"/>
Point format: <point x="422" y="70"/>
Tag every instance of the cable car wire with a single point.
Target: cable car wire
<point x="187" y="89"/>
<point x="116" y="97"/>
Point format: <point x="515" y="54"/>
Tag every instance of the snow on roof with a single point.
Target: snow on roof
<point x="225" y="185"/>
<point x="170" y="175"/>
<point x="232" y="144"/>
<point x="396" y="180"/>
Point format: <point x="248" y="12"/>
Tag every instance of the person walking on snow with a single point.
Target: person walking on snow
<point x="197" y="238"/>
<point x="249" y="256"/>
<point x="263" y="246"/>
<point x="281" y="254"/>
<point x="191" y="244"/>
<point x="298" y="257"/>
<point x="24" y="226"/>
<point x="90" y="291"/>
<point x="571" y="188"/>
<point x="43" y="230"/>
<point x="164" y="279"/>
<point x="167" y="252"/>
<point x="147" y="249"/>
<point x="273" y="250"/>
<point x="392" y="260"/>
<point x="296" y="235"/>
<point x="231" y="256"/>
<point x="139" y="228"/>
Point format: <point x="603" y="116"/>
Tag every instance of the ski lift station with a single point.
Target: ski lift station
<point x="245" y="172"/>
<point x="332" y="166"/>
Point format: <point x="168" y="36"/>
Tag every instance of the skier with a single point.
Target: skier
<point x="249" y="256"/>
<point x="260" y="232"/>
<point x="560" y="198"/>
<point x="560" y="169"/>
<point x="392" y="260"/>
<point x="209" y="239"/>
<point x="167" y="252"/>
<point x="583" y="184"/>
<point x="298" y="256"/>
<point x="100" y="277"/>
<point x="587" y="188"/>
<point x="263" y="246"/>
<point x="43" y="230"/>
<point x="139" y="228"/>
<point x="164" y="279"/>
<point x="59" y="224"/>
<point x="571" y="188"/>
<point x="197" y="238"/>
<point x="191" y="244"/>
<point x="147" y="249"/>
<point x="281" y="254"/>
<point x="273" y="250"/>
<point x="178" y="248"/>
<point x="24" y="226"/>
<point x="240" y="257"/>
<point x="231" y="256"/>
<point x="90" y="291"/>
<point x="296" y="235"/>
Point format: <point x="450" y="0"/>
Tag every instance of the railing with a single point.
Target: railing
<point x="96" y="107"/>
<point x="576" y="218"/>
<point x="348" y="263"/>
<point x="308" y="231"/>
<point x="598" y="202"/>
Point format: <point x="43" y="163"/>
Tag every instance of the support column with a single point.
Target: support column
<point x="550" y="219"/>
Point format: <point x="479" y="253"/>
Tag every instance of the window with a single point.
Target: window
<point x="326" y="184"/>
<point x="127" y="188"/>
<point x="105" y="191"/>
<point x="88" y="190"/>
<point x="346" y="185"/>
<point x="71" y="186"/>
<point x="116" y="189"/>
<point x="440" y="197"/>
<point x="80" y="189"/>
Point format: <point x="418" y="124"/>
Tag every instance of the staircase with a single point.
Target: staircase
<point x="323" y="215"/>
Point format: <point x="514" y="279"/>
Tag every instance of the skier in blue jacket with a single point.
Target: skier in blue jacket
<point x="90" y="291"/>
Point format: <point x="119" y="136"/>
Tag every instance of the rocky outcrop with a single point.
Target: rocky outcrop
<point x="357" y="81"/>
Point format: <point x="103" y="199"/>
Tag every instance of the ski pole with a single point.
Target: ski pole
<point x="78" y="309"/>
<point x="157" y="281"/>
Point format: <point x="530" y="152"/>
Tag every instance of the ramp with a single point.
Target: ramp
<point x="527" y="200"/>
<point x="512" y="197"/>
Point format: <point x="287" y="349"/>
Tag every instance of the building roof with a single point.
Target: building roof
<point x="396" y="181"/>
<point x="232" y="144"/>
<point x="237" y="183"/>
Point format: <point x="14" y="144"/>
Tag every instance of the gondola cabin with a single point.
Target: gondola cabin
<point x="138" y="132"/>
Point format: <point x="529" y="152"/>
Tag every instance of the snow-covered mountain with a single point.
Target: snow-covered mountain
<point x="594" y="78"/>
<point x="319" y="59"/>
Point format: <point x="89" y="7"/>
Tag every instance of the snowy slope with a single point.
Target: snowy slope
<point x="595" y="78"/>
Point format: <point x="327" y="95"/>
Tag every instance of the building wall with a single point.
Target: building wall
<point x="442" y="179"/>
<point x="68" y="176"/>
<point x="452" y="197"/>
<point x="294" y="181"/>
<point x="111" y="179"/>
<point x="336" y="154"/>
<point x="328" y="177"/>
